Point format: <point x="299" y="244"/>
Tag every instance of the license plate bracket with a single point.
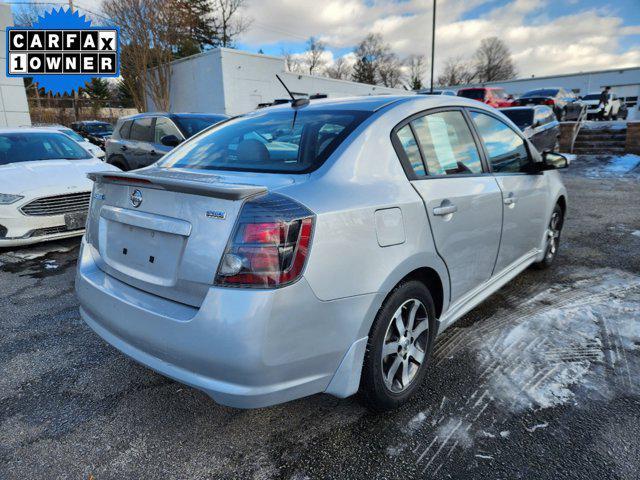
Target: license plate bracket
<point x="75" y="221"/>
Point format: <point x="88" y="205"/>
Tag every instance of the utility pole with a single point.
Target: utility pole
<point x="71" y="5"/>
<point x="433" y="41"/>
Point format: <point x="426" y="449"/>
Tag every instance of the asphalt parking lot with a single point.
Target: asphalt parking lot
<point x="541" y="381"/>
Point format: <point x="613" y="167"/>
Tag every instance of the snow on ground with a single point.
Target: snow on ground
<point x="571" y="342"/>
<point x="38" y="251"/>
<point x="613" y="166"/>
<point x="605" y="125"/>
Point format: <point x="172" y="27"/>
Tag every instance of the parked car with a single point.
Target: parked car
<point x="614" y="109"/>
<point x="259" y="278"/>
<point x="427" y="91"/>
<point x="494" y="96"/>
<point x="565" y="104"/>
<point x="93" y="130"/>
<point x="94" y="150"/>
<point x="140" y="140"/>
<point x="538" y="123"/>
<point x="44" y="192"/>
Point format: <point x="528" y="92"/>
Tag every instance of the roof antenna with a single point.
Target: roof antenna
<point x="295" y="102"/>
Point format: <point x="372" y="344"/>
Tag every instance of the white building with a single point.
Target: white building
<point x="625" y="82"/>
<point x="232" y="82"/>
<point x="14" y="109"/>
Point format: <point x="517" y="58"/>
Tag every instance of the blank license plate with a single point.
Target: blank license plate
<point x="75" y="221"/>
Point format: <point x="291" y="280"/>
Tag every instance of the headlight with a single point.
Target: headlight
<point x="6" y="199"/>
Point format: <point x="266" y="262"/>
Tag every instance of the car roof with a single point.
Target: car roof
<point x="172" y="115"/>
<point x="528" y="107"/>
<point x="30" y="130"/>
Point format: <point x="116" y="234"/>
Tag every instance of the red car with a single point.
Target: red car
<point x="496" y="97"/>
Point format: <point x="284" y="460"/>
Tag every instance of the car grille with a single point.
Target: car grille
<point x="58" y="205"/>
<point x="41" y="232"/>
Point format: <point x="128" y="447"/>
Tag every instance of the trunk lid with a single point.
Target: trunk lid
<point x="171" y="243"/>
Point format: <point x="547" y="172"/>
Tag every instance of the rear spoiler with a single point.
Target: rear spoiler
<point x="193" y="183"/>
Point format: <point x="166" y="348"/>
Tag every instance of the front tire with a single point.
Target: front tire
<point x="553" y="238"/>
<point x="399" y="346"/>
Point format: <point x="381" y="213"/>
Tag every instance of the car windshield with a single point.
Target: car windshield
<point x="522" y="118"/>
<point x="77" y="137"/>
<point x="592" y="96"/>
<point x="98" y="127"/>
<point x="31" y="146"/>
<point x="474" y="93"/>
<point x="282" y="140"/>
<point x="191" y="124"/>
<point x="543" y="92"/>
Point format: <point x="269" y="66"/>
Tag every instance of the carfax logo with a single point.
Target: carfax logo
<point x="62" y="51"/>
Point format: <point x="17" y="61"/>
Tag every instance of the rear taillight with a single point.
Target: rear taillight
<point x="270" y="244"/>
<point x="549" y="101"/>
<point x="516" y="103"/>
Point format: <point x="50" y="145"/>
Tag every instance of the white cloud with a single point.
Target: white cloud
<point x="585" y="40"/>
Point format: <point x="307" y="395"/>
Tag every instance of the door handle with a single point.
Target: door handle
<point x="445" y="209"/>
<point x="123" y="148"/>
<point x="511" y="199"/>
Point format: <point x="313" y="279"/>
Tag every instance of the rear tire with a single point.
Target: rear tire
<point x="404" y="330"/>
<point x="554" y="229"/>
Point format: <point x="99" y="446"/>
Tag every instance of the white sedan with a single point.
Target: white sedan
<point x="44" y="189"/>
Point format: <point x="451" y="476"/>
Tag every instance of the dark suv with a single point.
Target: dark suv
<point x="95" y="131"/>
<point x="140" y="140"/>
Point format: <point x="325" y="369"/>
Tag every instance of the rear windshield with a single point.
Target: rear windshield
<point x="26" y="147"/>
<point x="284" y="140"/>
<point x="76" y="136"/>
<point x="592" y="96"/>
<point x="98" y="127"/>
<point x="190" y="125"/>
<point x="545" y="92"/>
<point x="475" y="93"/>
<point x="522" y="118"/>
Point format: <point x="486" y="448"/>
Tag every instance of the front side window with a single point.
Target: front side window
<point x="283" y="140"/>
<point x="125" y="129"/>
<point x="410" y="147"/>
<point x="142" y="129"/>
<point x="447" y="144"/>
<point x="165" y="127"/>
<point x="27" y="147"/>
<point x="506" y="149"/>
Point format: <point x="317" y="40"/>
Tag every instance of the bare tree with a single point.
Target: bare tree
<point x="228" y="21"/>
<point x="292" y="64"/>
<point x="493" y="61"/>
<point x="150" y="30"/>
<point x="457" y="71"/>
<point x="340" y="70"/>
<point x="417" y="65"/>
<point x="313" y="58"/>
<point x="376" y="63"/>
<point x="26" y="14"/>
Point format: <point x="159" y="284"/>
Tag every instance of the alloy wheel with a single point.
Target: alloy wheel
<point x="553" y="235"/>
<point x="405" y="345"/>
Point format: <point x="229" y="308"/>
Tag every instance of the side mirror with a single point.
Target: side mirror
<point x="553" y="161"/>
<point x="170" y="141"/>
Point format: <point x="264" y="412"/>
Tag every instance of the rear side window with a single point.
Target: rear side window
<point x="506" y="149"/>
<point x="447" y="144"/>
<point x="282" y="140"/>
<point x="410" y="147"/>
<point x="474" y="93"/>
<point x="125" y="129"/>
<point x="164" y="127"/>
<point x="142" y="129"/>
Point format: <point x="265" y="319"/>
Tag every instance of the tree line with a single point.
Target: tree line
<point x="375" y="63"/>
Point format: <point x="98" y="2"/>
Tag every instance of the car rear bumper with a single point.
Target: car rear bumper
<point x="245" y="348"/>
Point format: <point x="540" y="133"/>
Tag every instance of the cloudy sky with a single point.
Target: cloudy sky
<point x="545" y="36"/>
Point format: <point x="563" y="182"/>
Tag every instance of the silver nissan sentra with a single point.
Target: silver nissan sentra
<point x="316" y="247"/>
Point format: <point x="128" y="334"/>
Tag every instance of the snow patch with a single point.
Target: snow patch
<point x="636" y="233"/>
<point x="615" y="125"/>
<point x="615" y="166"/>
<point x="416" y="422"/>
<point x="456" y="430"/>
<point x="536" y="427"/>
<point x="505" y="433"/>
